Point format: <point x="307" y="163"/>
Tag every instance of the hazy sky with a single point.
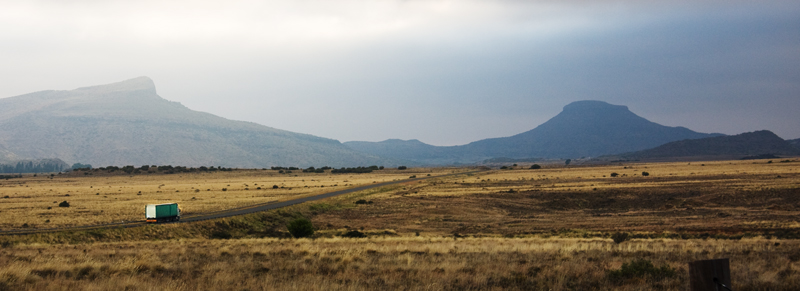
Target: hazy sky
<point x="443" y="72"/>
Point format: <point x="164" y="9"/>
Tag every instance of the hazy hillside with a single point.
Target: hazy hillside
<point x="6" y="156"/>
<point x="756" y="143"/>
<point x="127" y="123"/>
<point x="795" y="142"/>
<point x="413" y="151"/>
<point x="582" y="129"/>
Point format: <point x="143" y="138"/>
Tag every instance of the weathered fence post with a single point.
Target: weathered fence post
<point x="710" y="275"/>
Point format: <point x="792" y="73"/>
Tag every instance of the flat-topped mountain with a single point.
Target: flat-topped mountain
<point x="127" y="123"/>
<point x="585" y="129"/>
<point x="582" y="129"/>
<point x="756" y="143"/>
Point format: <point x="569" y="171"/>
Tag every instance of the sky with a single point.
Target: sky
<point x="443" y="72"/>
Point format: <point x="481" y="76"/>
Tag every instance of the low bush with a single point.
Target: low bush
<point x="640" y="268"/>
<point x="301" y="227"/>
<point x="354" y="234"/>
<point x="619" y="237"/>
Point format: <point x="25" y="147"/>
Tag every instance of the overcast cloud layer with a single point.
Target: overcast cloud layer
<point x="444" y="72"/>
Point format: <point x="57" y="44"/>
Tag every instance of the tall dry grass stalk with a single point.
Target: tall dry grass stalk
<point x="409" y="263"/>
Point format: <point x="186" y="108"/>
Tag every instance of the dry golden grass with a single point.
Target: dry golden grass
<point x="97" y="199"/>
<point x="712" y="198"/>
<point x="518" y="229"/>
<point x="389" y="263"/>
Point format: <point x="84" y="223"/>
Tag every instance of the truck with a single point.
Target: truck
<point x="162" y="212"/>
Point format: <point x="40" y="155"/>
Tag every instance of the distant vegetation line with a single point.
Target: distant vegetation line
<point x="34" y="166"/>
<point x="169" y="169"/>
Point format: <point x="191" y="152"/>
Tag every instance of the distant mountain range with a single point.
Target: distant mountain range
<point x="758" y="143"/>
<point x="582" y="129"/>
<point x="127" y="123"/>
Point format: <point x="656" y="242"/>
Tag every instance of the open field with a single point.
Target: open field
<point x="727" y="198"/>
<point x="513" y="229"/>
<point x="107" y="198"/>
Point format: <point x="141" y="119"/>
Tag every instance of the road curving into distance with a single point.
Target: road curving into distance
<point x="232" y="212"/>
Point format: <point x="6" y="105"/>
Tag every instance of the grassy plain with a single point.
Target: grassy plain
<point x="390" y="263"/>
<point x="514" y="229"/>
<point x="726" y="198"/>
<point x="107" y="198"/>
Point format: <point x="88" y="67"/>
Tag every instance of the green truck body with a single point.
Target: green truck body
<point x="162" y="212"/>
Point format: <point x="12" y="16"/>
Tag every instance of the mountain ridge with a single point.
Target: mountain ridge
<point x="795" y="142"/>
<point x="586" y="128"/>
<point x="762" y="142"/>
<point x="127" y="123"/>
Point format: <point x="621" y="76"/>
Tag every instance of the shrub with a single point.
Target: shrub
<point x="614" y="174"/>
<point x="221" y="234"/>
<point x="63" y="204"/>
<point x="275" y="187"/>
<point x="354" y="234"/>
<point x="535" y="167"/>
<point x="300" y="227"/>
<point x="362" y="201"/>
<point x="645" y="174"/>
<point x="619" y="237"/>
<point x="402" y="167"/>
<point x="640" y="268"/>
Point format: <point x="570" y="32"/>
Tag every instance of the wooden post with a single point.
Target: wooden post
<point x="710" y="275"/>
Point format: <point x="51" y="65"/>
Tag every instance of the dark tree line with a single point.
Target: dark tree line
<point x="356" y="170"/>
<point x="39" y="166"/>
<point x="332" y="170"/>
<point x="168" y="169"/>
